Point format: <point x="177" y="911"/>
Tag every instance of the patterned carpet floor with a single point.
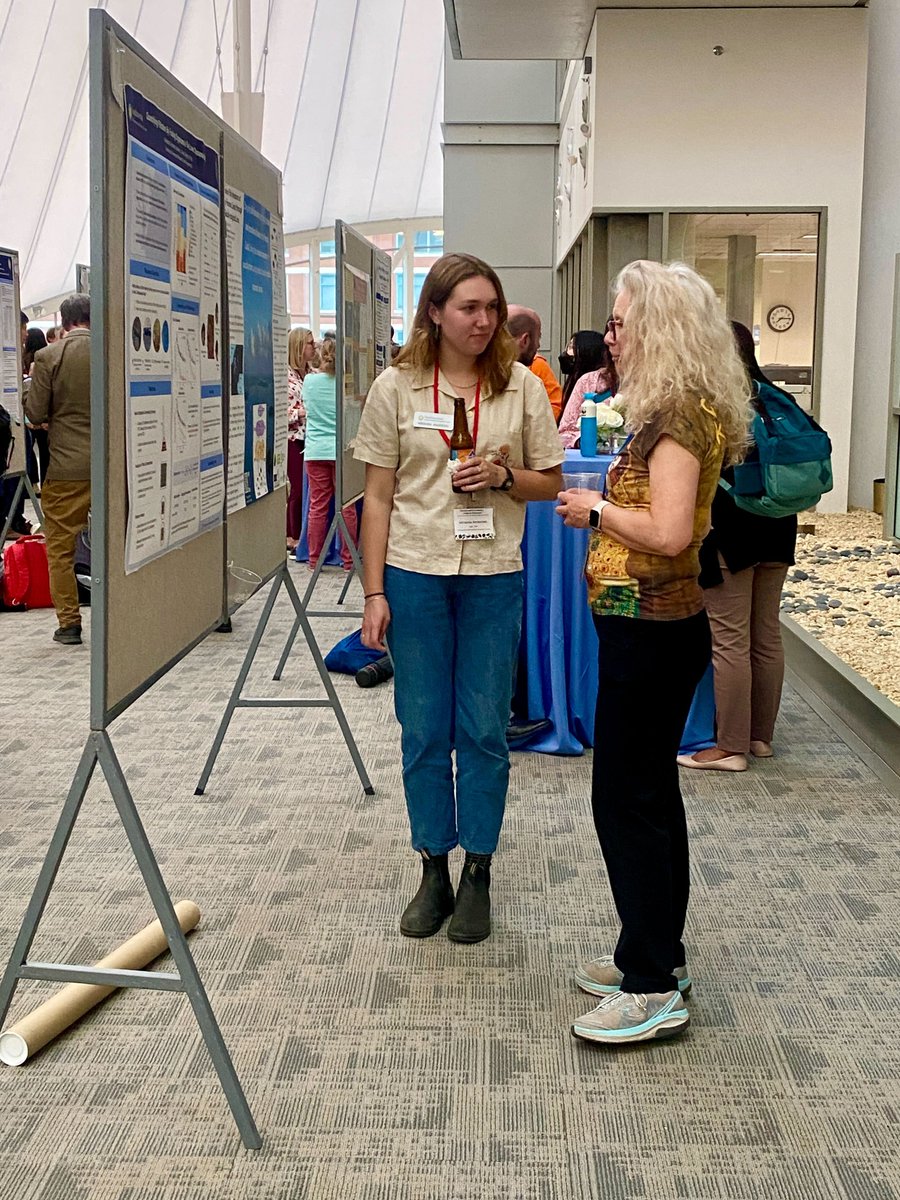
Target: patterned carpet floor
<point x="380" y="1068"/>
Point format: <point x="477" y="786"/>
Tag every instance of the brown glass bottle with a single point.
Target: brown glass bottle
<point x="461" y="444"/>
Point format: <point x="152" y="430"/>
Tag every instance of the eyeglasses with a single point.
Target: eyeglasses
<point x="612" y="328"/>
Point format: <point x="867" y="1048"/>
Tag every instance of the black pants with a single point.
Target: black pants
<point x="648" y="673"/>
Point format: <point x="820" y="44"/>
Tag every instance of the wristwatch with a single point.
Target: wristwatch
<point x="507" y="482"/>
<point x="596" y="514"/>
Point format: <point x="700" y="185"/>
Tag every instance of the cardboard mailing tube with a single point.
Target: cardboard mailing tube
<point x="33" y="1032"/>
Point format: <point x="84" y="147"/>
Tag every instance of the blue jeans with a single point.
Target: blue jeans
<point x="454" y="640"/>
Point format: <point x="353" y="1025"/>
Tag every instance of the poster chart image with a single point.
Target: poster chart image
<point x="10" y="339"/>
<point x="357" y="346"/>
<point x="174" y="435"/>
<point x="257" y="354"/>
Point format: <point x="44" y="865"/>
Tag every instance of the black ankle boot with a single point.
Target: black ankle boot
<point x="472" y="916"/>
<point x="433" y="902"/>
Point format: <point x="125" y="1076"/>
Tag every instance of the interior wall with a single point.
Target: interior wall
<point x="500" y="144"/>
<point x="763" y="125"/>
<point x="872" y="420"/>
<point x="783" y="281"/>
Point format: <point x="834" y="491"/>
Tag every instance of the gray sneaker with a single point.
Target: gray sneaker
<point x="626" y="1017"/>
<point x="601" y="977"/>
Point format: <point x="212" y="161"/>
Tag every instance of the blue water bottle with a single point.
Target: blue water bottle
<point x="588" y="443"/>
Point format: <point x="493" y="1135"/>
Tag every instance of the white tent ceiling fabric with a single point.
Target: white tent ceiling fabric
<point x="353" y="110"/>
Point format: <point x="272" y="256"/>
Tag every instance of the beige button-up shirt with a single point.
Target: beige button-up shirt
<point x="421" y="536"/>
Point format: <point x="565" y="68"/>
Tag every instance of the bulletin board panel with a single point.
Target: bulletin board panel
<point x="11" y="351"/>
<point x="255" y="533"/>
<point x="357" y="310"/>
<point x="144" y="622"/>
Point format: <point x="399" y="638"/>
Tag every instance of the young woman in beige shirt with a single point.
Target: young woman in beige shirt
<point x="443" y="571"/>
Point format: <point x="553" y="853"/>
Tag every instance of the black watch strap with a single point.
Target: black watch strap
<point x="507" y="482"/>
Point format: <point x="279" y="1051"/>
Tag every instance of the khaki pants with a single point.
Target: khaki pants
<point x="748" y="658"/>
<point x="66" y="503"/>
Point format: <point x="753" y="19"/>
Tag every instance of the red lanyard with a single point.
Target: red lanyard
<point x="477" y="407"/>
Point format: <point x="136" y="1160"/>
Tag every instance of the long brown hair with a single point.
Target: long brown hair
<point x="424" y="346"/>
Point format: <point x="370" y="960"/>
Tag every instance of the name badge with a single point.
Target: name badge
<point x="433" y="420"/>
<point x="473" y="524"/>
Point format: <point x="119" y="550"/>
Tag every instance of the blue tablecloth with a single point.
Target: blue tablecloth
<point x="558" y="654"/>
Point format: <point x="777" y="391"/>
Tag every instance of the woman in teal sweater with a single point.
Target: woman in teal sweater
<point x="320" y="401"/>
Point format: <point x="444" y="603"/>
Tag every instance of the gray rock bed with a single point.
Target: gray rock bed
<point x="845" y="589"/>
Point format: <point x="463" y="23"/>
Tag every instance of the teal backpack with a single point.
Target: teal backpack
<point x="789" y="467"/>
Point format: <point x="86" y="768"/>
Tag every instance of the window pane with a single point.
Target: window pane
<point x="429" y="241"/>
<point x="327" y="295"/>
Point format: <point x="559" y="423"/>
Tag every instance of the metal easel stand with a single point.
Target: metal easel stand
<point x="99" y="749"/>
<point x="283" y="579"/>
<point x="24" y="485"/>
<point x="337" y="524"/>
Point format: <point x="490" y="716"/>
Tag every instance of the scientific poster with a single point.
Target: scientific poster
<point x="175" y="463"/>
<point x="357" y="346"/>
<point x="382" y="296"/>
<point x="10" y="343"/>
<point x="257" y="354"/>
<point x="234" y="232"/>
<point x="259" y="372"/>
<point x="280" y="325"/>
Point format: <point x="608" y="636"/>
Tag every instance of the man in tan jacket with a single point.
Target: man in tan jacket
<point x="60" y="394"/>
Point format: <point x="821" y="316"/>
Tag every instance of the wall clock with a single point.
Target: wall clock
<point x="780" y="318"/>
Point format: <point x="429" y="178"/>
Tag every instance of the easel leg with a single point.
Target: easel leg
<point x="35" y="503"/>
<point x="332" y="530"/>
<point x="316" y="653"/>
<point x="240" y="681"/>
<point x="310" y="587"/>
<point x="354" y="554"/>
<point x="187" y="968"/>
<point x="17" y="496"/>
<point x="41" y="893"/>
<point x="288" y="647"/>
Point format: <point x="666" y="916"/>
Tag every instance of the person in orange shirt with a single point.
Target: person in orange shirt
<point x="525" y="326"/>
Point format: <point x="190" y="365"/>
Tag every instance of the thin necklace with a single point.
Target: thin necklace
<point x="453" y="382"/>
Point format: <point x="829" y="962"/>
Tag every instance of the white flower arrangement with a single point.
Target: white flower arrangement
<point x="608" y="418"/>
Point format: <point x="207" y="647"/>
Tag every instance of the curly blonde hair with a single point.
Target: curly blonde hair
<point x="680" y="345"/>
<point x="495" y="362"/>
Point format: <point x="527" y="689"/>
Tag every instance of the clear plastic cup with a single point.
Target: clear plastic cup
<point x="242" y="583"/>
<point x="589" y="481"/>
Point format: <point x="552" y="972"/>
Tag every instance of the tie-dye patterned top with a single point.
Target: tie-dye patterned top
<point x="636" y="583"/>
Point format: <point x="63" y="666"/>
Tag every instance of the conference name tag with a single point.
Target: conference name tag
<point x="433" y="420"/>
<point x="473" y="524"/>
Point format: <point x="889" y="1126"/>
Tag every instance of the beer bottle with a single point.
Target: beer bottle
<point x="461" y="444"/>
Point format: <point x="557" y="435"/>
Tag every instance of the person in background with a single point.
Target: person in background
<point x="688" y="407"/>
<point x="37" y="443"/>
<point x="603" y="379"/>
<point x="60" y="396"/>
<point x="584" y="352"/>
<point x="743" y="564"/>
<point x="18" y="525"/>
<point x="395" y="346"/>
<point x="53" y="334"/>
<point x="320" y="401"/>
<point x="524" y="325"/>
<point x="301" y="351"/>
<point x="451" y="607"/>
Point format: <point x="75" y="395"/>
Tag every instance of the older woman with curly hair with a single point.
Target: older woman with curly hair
<point x="687" y="404"/>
